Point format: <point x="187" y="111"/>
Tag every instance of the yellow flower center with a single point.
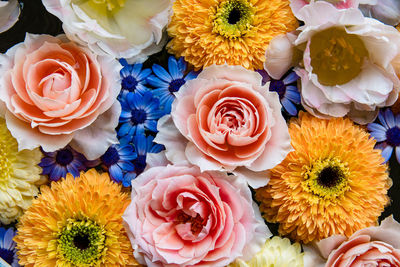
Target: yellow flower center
<point x="327" y="179"/>
<point x="336" y="56"/>
<point x="233" y="18"/>
<point x="8" y="145"/>
<point x="102" y="7"/>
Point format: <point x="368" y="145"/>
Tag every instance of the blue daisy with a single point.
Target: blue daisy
<point x="133" y="77"/>
<point x="118" y="161"/>
<point x="169" y="82"/>
<point x="139" y="113"/>
<point x="287" y="90"/>
<point x="387" y="133"/>
<point x="143" y="145"/>
<point x="8" y="251"/>
<point x="57" y="164"/>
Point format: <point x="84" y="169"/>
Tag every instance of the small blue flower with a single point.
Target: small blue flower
<point x="387" y="133"/>
<point x="167" y="83"/>
<point x="57" y="164"/>
<point x="118" y="161"/>
<point x="287" y="90"/>
<point x="8" y="251"/>
<point x="139" y="113"/>
<point x="133" y="77"/>
<point x="143" y="145"/>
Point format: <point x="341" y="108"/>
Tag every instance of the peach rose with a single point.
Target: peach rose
<point x="57" y="92"/>
<point x="180" y="216"/>
<point x="373" y="246"/>
<point x="226" y="120"/>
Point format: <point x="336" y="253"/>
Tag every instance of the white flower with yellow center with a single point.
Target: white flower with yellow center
<point x="276" y="252"/>
<point x="131" y="29"/>
<point x="19" y="174"/>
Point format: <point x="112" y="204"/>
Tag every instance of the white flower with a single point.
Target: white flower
<point x="9" y="13"/>
<point x="132" y="29"/>
<point x="348" y="63"/>
<point x="387" y="11"/>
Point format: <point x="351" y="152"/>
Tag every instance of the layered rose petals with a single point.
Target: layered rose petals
<point x="225" y="120"/>
<point x="53" y="88"/>
<point x="180" y="216"/>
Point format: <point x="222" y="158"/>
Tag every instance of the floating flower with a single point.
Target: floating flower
<point x="118" y="162"/>
<point x="180" y="216"/>
<point x="76" y="222"/>
<point x="8" y="252"/>
<point x="296" y="5"/>
<point x="334" y="182"/>
<point x="169" y="82"/>
<point x="140" y="112"/>
<point x="387" y="11"/>
<point x="19" y="175"/>
<point x="277" y="252"/>
<point x="235" y="32"/>
<point x="9" y="13"/>
<point x="57" y="92"/>
<point x="348" y="63"/>
<point x="133" y="77"/>
<point x="226" y="120"/>
<point x="387" y="133"/>
<point x="57" y="164"/>
<point x="373" y="246"/>
<point x="120" y="28"/>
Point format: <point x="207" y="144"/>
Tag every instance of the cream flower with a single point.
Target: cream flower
<point x="347" y="62"/>
<point x="19" y="175"/>
<point x="9" y="13"/>
<point x="277" y="252"/>
<point x="131" y="29"/>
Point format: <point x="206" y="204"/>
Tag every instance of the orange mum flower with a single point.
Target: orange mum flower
<point x="334" y="182"/>
<point x="76" y="222"/>
<point x="236" y="32"/>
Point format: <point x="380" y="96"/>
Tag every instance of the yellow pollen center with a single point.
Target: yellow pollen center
<point x="233" y="18"/>
<point x="101" y="7"/>
<point x="336" y="56"/>
<point x="327" y="179"/>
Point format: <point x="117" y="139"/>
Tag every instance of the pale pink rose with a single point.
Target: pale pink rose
<point x="57" y="92"/>
<point x="373" y="246"/>
<point x="226" y="120"/>
<point x="180" y="216"/>
<point x="297" y="5"/>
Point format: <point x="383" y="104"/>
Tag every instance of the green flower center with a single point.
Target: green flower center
<point x="82" y="242"/>
<point x="233" y="18"/>
<point x="326" y="179"/>
<point x="336" y="56"/>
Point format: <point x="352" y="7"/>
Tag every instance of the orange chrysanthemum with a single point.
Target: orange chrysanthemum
<point x="334" y="182"/>
<point x="236" y="32"/>
<point x="76" y="222"/>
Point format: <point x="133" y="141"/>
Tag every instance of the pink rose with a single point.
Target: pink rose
<point x="373" y="246"/>
<point x="226" y="120"/>
<point x="57" y="92"/>
<point x="296" y="5"/>
<point x="180" y="216"/>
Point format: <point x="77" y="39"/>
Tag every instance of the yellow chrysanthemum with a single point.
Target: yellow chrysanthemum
<point x="19" y="174"/>
<point x="236" y="32"/>
<point x="334" y="182"/>
<point x="276" y="252"/>
<point x="76" y="222"/>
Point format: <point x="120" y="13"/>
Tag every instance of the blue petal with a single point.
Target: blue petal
<point x="125" y="129"/>
<point x="389" y="118"/>
<point x="144" y="74"/>
<point x="57" y="173"/>
<point x="291" y="78"/>
<point x="123" y="62"/>
<point x="375" y="127"/>
<point x="47" y="162"/>
<point x="289" y="106"/>
<point x="161" y="73"/>
<point x="140" y="144"/>
<point x="126" y="166"/>
<point x="398" y="154"/>
<point x="115" y="173"/>
<point x="182" y="65"/>
<point x="387" y="152"/>
<point x="8" y="242"/>
<point x="191" y="75"/>
<point x="128" y="177"/>
<point x="293" y="94"/>
<point x="156" y="82"/>
<point x="174" y="69"/>
<point x="74" y="171"/>
<point x="151" y="125"/>
<point x="397" y="119"/>
<point x="379" y="136"/>
<point x="156" y="148"/>
<point x="383" y="120"/>
<point x="136" y="69"/>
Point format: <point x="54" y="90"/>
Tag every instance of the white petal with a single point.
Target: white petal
<point x="9" y="13"/>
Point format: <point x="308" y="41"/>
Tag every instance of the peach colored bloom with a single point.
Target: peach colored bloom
<point x="372" y="246"/>
<point x="225" y="120"/>
<point x="57" y="92"/>
<point x="180" y="216"/>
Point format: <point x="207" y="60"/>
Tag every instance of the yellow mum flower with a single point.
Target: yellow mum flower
<point x="76" y="222"/>
<point x="334" y="182"/>
<point x="236" y="32"/>
<point x="19" y="174"/>
<point x="276" y="252"/>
